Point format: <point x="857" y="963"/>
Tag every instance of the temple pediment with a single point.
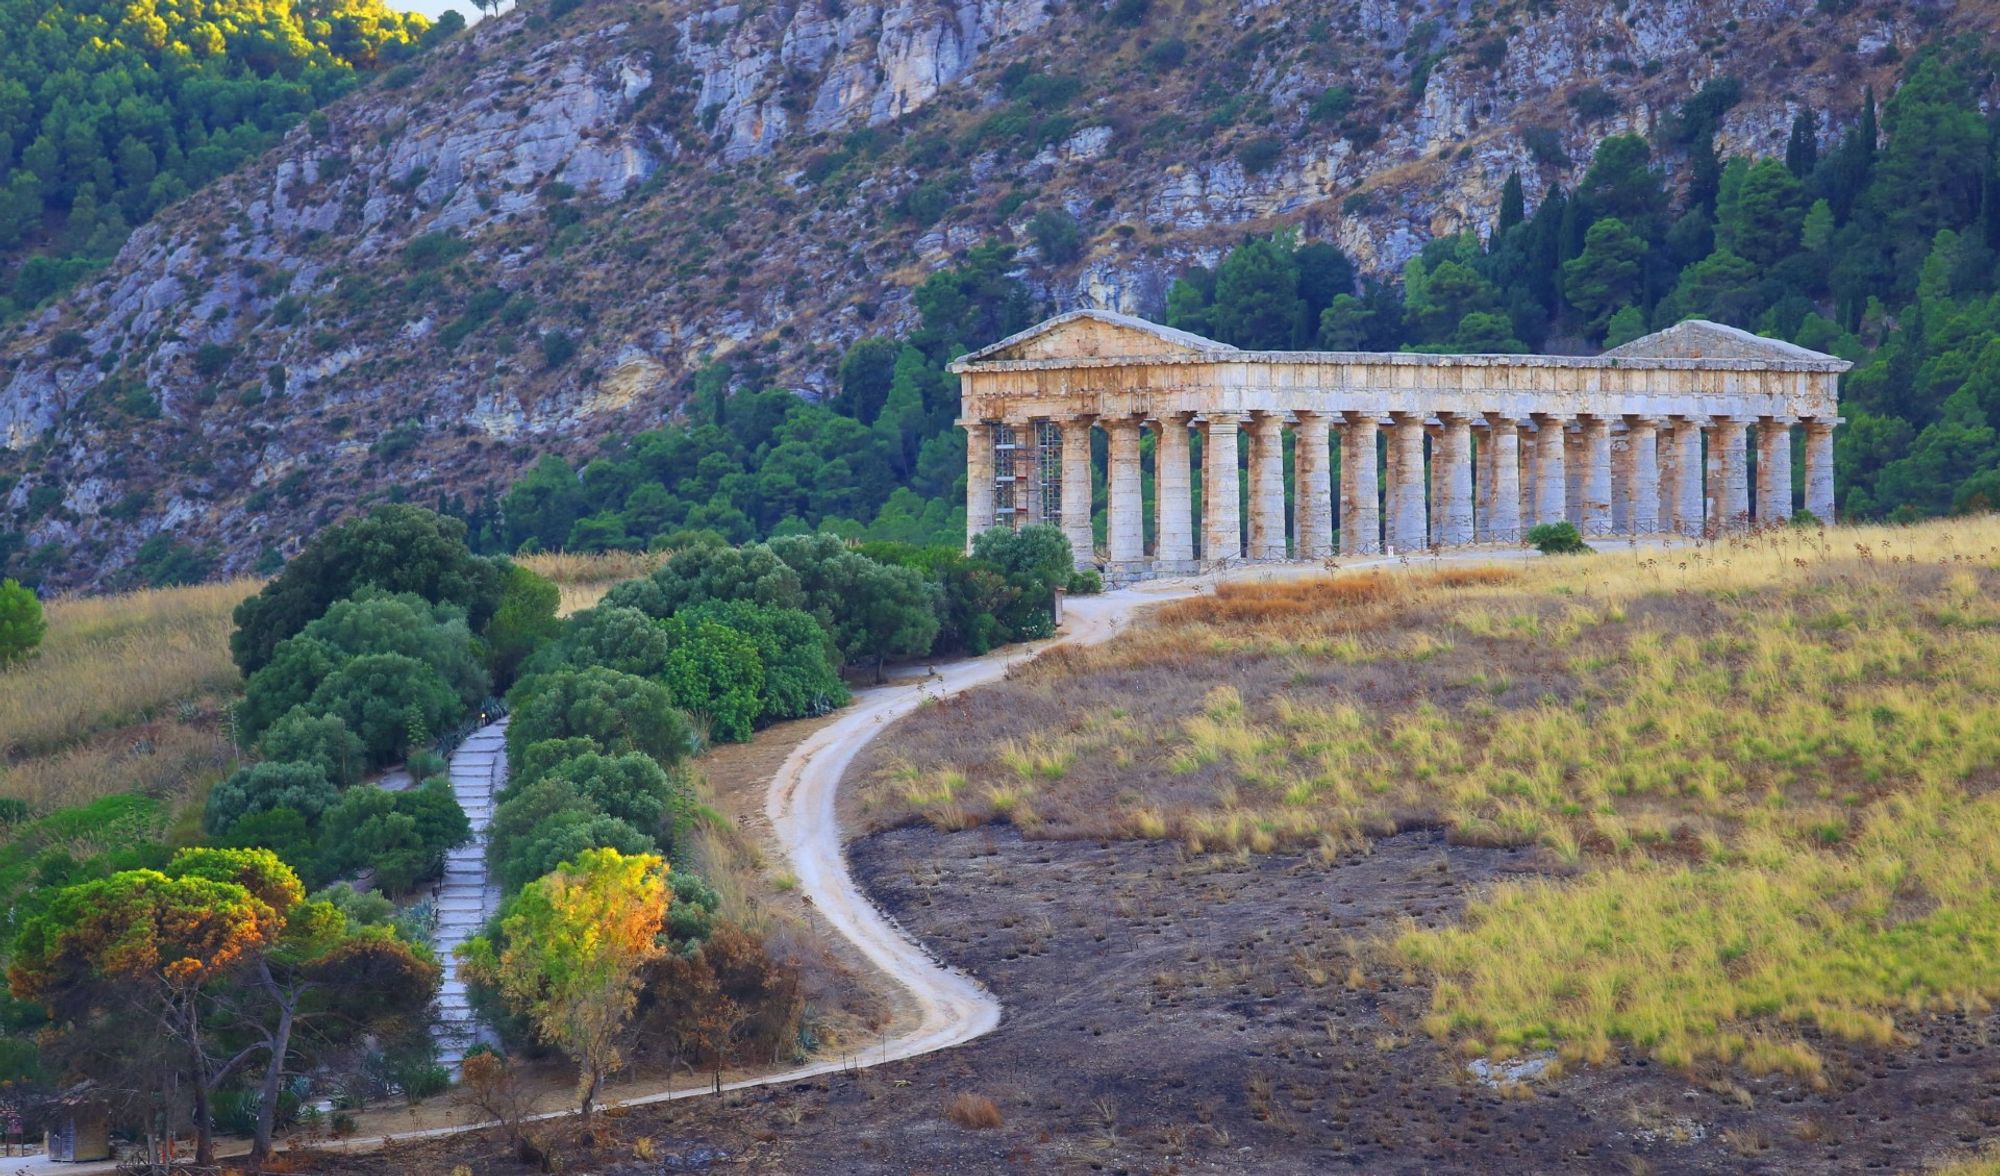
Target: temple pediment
<point x="1095" y="334"/>
<point x="1702" y="339"/>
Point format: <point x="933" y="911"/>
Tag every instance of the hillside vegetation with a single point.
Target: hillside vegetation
<point x="575" y="221"/>
<point x="1768" y="762"/>
<point x="109" y="112"/>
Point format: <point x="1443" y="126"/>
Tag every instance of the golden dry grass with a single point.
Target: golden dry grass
<point x="585" y="577"/>
<point x="128" y="694"/>
<point x="109" y="661"/>
<point x="1769" y="757"/>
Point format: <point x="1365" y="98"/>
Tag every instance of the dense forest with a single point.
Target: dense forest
<point x="111" y="111"/>
<point x="1878" y="246"/>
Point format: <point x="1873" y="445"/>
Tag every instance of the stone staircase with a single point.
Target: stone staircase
<point x="467" y="897"/>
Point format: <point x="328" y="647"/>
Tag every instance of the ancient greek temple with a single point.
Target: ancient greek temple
<point x="1428" y="450"/>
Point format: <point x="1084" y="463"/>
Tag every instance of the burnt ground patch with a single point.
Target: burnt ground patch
<point x="1168" y="1012"/>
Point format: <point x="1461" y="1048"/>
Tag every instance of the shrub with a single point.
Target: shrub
<point x="259" y="788"/>
<point x="403" y="835"/>
<point x="1085" y="584"/>
<point x="1332" y="104"/>
<point x="283" y="831"/>
<point x="974" y="1112"/>
<point x="1057" y="236"/>
<point x="630" y="787"/>
<point x="715" y="671"/>
<point x="621" y="712"/>
<point x="1259" y="155"/>
<point x="549" y="824"/>
<point x="398" y="548"/>
<point x="523" y="620"/>
<point x="558" y="348"/>
<point x="617" y="638"/>
<point x="391" y="701"/>
<point x="1557" y="539"/>
<point x="21" y="623"/>
<point x="801" y="664"/>
<point x="712" y="571"/>
<point x="301" y="736"/>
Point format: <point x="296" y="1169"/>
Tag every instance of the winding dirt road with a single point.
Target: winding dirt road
<point x="942" y="1007"/>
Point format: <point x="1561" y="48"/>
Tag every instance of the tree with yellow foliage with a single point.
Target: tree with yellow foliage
<point x="571" y="953"/>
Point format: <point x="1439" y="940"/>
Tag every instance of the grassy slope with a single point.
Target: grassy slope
<point x="1767" y="762"/>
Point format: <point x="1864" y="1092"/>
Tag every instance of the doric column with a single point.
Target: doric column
<point x="1689" y="498"/>
<point x="1551" y="476"/>
<point x="1642" y="469"/>
<point x="978" y="480"/>
<point x="1774" y="470"/>
<point x="1596" y="482"/>
<point x="1313" y="484"/>
<point x="1621" y="482"/>
<point x="1502" y="523"/>
<point x="1530" y="477"/>
<point x="1406" y="518"/>
<point x="1454" y="528"/>
<point x="1726" y="442"/>
<point x="1222" y="526"/>
<point x="1076" y="491"/>
<point x="1267" y="486"/>
<point x="1174" y="510"/>
<point x="1360" y="489"/>
<point x="1125" y="517"/>
<point x="1576" y="466"/>
<point x="1819" y="470"/>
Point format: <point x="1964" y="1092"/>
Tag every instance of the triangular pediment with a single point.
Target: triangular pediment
<point x="1702" y="339"/>
<point x="1093" y="334"/>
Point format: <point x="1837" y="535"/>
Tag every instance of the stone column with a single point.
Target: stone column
<point x="1406" y="518"/>
<point x="1819" y="470"/>
<point x="1454" y="528"/>
<point x="1595" y="510"/>
<point x="1503" y="522"/>
<point x="1174" y="510"/>
<point x="1576" y="465"/>
<point x="1360" y="490"/>
<point x="1726" y="442"/>
<point x="1312" y="483"/>
<point x="1621" y="482"/>
<point x="1689" y="498"/>
<point x="1222" y="526"/>
<point x="978" y="480"/>
<point x="1530" y="479"/>
<point x="1642" y="492"/>
<point x="1774" y="470"/>
<point x="1076" y="491"/>
<point x="1267" y="487"/>
<point x="1551" y="476"/>
<point x="1125" y="516"/>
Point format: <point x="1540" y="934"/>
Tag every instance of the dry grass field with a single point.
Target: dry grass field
<point x="585" y="578"/>
<point x="1758" y="775"/>
<point x="127" y="694"/>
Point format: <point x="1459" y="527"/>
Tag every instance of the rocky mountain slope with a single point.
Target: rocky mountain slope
<point x="536" y="242"/>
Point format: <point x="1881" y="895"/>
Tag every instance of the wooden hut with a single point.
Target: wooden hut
<point x="79" y="1126"/>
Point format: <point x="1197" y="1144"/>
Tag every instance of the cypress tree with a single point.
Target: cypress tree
<point x="1513" y="205"/>
<point x="1802" y="151"/>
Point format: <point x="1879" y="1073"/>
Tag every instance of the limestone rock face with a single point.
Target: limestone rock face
<point x="539" y="240"/>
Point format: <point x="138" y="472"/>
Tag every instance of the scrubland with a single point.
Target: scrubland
<point x="1756" y="774"/>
